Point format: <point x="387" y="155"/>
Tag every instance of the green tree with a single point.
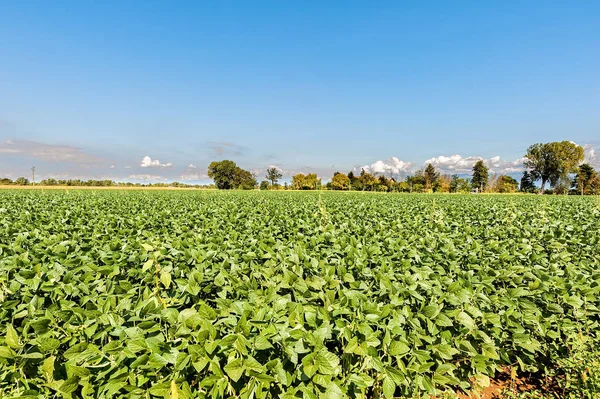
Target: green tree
<point x="367" y="180"/>
<point x="354" y="183"/>
<point x="245" y="180"/>
<point x="430" y="176"/>
<point x="551" y="162"/>
<point x="264" y="185"/>
<point x="527" y="185"/>
<point x="480" y="177"/>
<point x="340" y="181"/>
<point x="506" y="184"/>
<point x="22" y="181"/>
<point x="273" y="174"/>
<point x="223" y="173"/>
<point x="227" y="175"/>
<point x="459" y="185"/>
<point x="444" y="184"/>
<point x="584" y="178"/>
<point x="305" y="182"/>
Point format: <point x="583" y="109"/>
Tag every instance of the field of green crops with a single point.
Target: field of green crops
<point x="191" y="294"/>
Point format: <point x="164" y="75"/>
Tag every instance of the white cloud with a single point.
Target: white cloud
<point x="48" y="152"/>
<point x="191" y="166"/>
<point x="128" y="167"/>
<point x="112" y="166"/>
<point x="390" y="167"/>
<point x="458" y="164"/>
<point x="148" y="162"/>
<point x="146" y="177"/>
<point x="590" y="156"/>
<point x="193" y="176"/>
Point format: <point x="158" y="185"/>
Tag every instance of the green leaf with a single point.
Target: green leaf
<point x="389" y="387"/>
<point x="466" y="320"/>
<point x="431" y="311"/>
<point x="6" y="352"/>
<point x="398" y="348"/>
<point x="234" y="369"/>
<point x="12" y="338"/>
<point x="70" y="385"/>
<point x="165" y="278"/>
<point x="147" y="265"/>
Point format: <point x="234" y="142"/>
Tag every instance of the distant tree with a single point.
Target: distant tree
<point x="22" y="181"/>
<point x="340" y="181"/>
<point x="306" y="182"/>
<point x="454" y="182"/>
<point x="223" y="173"/>
<point x="245" y="180"/>
<point x="273" y="174"/>
<point x="595" y="185"/>
<point x="431" y="176"/>
<point x="227" y="175"/>
<point x="506" y="184"/>
<point x="5" y="181"/>
<point x="584" y="178"/>
<point x="550" y="162"/>
<point x="367" y="180"/>
<point x="463" y="185"/>
<point x="416" y="181"/>
<point x="527" y="185"/>
<point x="403" y="187"/>
<point x="264" y="185"/>
<point x="480" y="176"/>
<point x="298" y="181"/>
<point x="443" y="185"/>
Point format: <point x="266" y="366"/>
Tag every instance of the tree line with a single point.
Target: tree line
<point x="23" y="181"/>
<point x="557" y="164"/>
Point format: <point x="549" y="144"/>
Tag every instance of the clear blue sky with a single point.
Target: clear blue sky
<point x="88" y="89"/>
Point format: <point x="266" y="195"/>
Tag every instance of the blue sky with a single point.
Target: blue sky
<point x="89" y="89"/>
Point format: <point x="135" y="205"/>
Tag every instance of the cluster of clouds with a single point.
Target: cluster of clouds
<point x="148" y="162"/>
<point x="392" y="166"/>
<point x="395" y="167"/>
<point x="459" y="164"/>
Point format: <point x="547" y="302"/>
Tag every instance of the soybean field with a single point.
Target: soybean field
<point x="207" y="294"/>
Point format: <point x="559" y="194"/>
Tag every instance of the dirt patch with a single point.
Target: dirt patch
<point x="505" y="382"/>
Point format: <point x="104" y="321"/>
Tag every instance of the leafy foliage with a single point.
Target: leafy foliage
<point x="296" y="295"/>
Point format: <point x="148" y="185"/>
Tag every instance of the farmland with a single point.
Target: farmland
<point x="191" y="294"/>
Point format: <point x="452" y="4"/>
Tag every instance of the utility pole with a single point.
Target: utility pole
<point x="33" y="175"/>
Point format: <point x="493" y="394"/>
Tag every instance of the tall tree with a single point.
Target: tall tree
<point x="480" y="176"/>
<point x="527" y="185"/>
<point x="584" y="178"/>
<point x="273" y="174"/>
<point x="551" y="162"/>
<point x="430" y="176"/>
